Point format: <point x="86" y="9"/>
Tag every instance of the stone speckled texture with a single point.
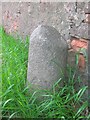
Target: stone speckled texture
<point x="24" y="17"/>
<point x="47" y="57"/>
<point x="66" y="17"/>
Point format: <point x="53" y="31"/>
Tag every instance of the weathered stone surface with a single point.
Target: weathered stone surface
<point x="26" y="16"/>
<point x="47" y="57"/>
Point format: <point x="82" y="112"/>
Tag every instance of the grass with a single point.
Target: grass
<point x="18" y="102"/>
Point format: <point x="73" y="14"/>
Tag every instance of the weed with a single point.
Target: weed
<point x="18" y="102"/>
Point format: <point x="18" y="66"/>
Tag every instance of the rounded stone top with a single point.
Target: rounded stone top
<point x="44" y="27"/>
<point x="47" y="57"/>
<point x="46" y="30"/>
